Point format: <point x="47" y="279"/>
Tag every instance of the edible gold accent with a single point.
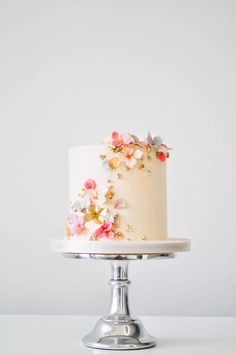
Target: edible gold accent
<point x="148" y="148"/>
<point x="109" y="194"/>
<point x="149" y="172"/>
<point x="102" y="156"/>
<point x="129" y="228"/>
<point x="114" y="163"/>
<point x="149" y="157"/>
<point x="141" y="166"/>
<point x="144" y="237"/>
<point x="116" y="225"/>
<point x="116" y="217"/>
<point x="119" y="175"/>
<point x="92" y="237"/>
<point x="117" y="149"/>
<point x="109" y="181"/>
<point x="94" y="213"/>
<point x="119" y="235"/>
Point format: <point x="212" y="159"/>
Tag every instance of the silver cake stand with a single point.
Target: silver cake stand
<point x="119" y="330"/>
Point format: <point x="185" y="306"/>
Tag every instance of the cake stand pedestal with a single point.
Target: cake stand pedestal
<point x="119" y="330"/>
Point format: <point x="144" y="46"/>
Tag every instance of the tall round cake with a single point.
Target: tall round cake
<point x="118" y="196"/>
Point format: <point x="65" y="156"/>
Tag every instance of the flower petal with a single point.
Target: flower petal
<point x="90" y="184"/>
<point x="130" y="163"/>
<point x="120" y="203"/>
<point x="126" y="138"/>
<point x="138" y="154"/>
<point x="149" y="139"/>
<point x="157" y="141"/>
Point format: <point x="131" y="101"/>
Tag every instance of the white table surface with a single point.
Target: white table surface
<point x="57" y="335"/>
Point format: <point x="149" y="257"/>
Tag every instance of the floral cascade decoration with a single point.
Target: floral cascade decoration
<point x="87" y="209"/>
<point x="127" y="150"/>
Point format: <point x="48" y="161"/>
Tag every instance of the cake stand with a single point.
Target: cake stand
<point x="118" y="329"/>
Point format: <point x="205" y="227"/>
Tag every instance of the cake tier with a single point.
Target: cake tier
<point x="135" y="196"/>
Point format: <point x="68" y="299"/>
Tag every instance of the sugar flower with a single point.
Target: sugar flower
<point x="105" y="231"/>
<point x="162" y="156"/>
<point x="154" y="141"/>
<point x="131" y="156"/>
<point x="90" y="184"/>
<point x="76" y="225"/>
<point x="119" y="139"/>
<point x="81" y="205"/>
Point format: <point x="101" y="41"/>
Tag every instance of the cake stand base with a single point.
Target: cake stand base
<point x="118" y="330"/>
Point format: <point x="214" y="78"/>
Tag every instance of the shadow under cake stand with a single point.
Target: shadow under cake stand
<point x="119" y="330"/>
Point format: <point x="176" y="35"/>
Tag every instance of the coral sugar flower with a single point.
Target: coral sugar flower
<point x="121" y="139"/>
<point x="131" y="156"/>
<point x="162" y="156"/>
<point x="105" y="231"/>
<point x="90" y="184"/>
<point x="76" y="225"/>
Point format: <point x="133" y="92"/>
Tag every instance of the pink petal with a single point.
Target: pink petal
<point x="120" y="203"/>
<point x="130" y="163"/>
<point x="126" y="138"/>
<point x="115" y="135"/>
<point x="90" y="184"/>
<point x="99" y="232"/>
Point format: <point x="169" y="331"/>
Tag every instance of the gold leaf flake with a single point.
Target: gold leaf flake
<point x="102" y="156"/>
<point x="119" y="235"/>
<point x="114" y="163"/>
<point x="109" y="181"/>
<point x="94" y="213"/>
<point x="148" y="148"/>
<point x="117" y="149"/>
<point x="109" y="194"/>
<point x="116" y="217"/>
<point x="149" y="157"/>
<point x="129" y="228"/>
<point x="140" y="166"/>
<point x="149" y="172"/>
<point x="93" y="237"/>
<point x="119" y="175"/>
<point x="144" y="237"/>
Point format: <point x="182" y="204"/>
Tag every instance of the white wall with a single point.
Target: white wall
<point x="70" y="73"/>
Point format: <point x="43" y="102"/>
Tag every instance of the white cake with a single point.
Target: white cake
<point x="128" y="186"/>
<point x="118" y="197"/>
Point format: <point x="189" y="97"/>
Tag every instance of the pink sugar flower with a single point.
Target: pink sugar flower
<point x="76" y="225"/>
<point x="105" y="231"/>
<point x="90" y="184"/>
<point x="131" y="156"/>
<point x="121" y="139"/>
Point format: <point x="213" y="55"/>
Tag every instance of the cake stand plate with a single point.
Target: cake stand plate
<point x="170" y="245"/>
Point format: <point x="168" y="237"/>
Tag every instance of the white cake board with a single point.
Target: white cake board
<point x="170" y="245"/>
